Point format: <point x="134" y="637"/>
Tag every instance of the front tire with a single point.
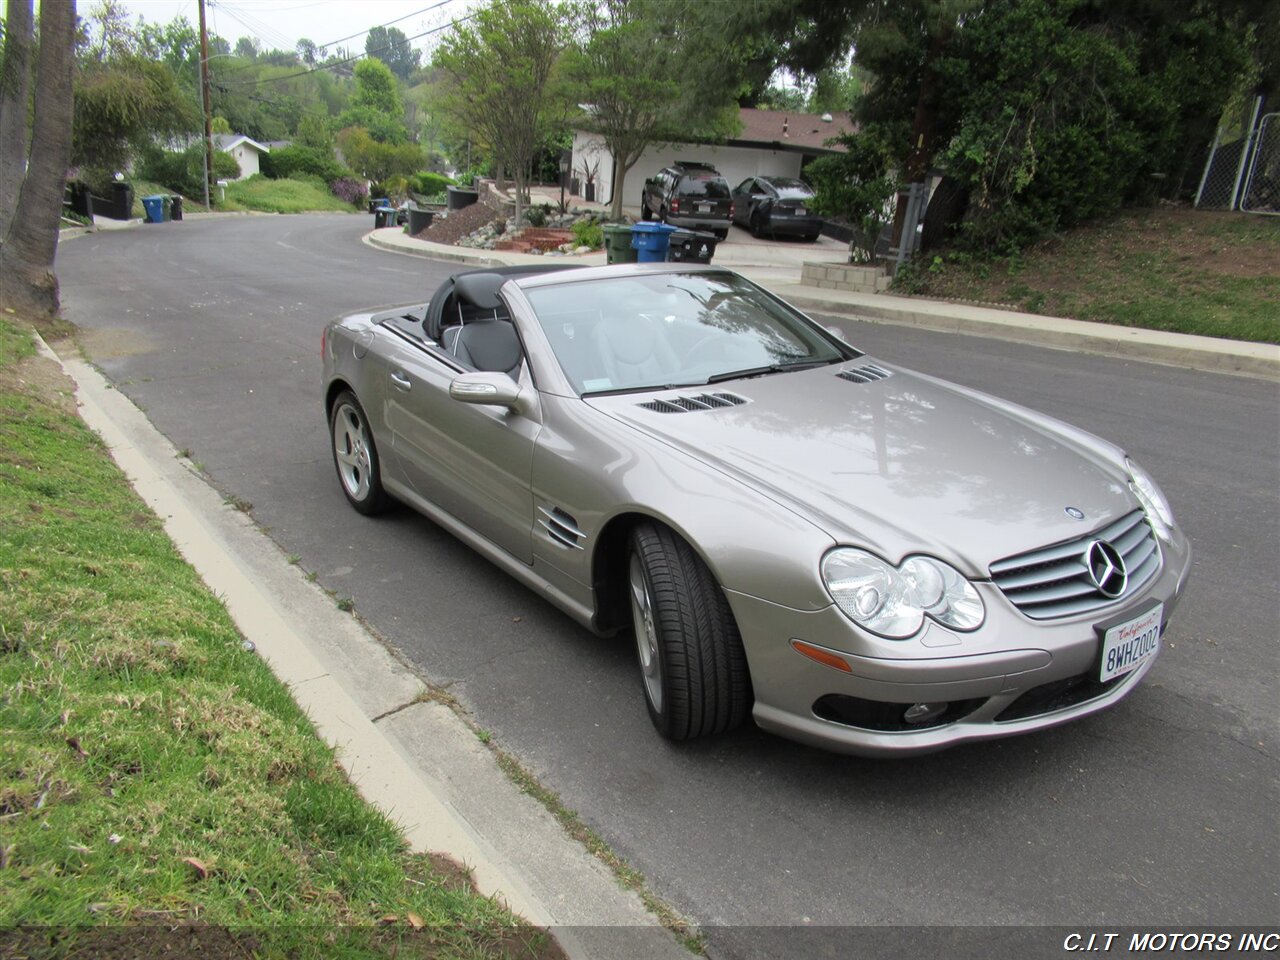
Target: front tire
<point x="645" y="213"/>
<point x="355" y="456"/>
<point x="693" y="668"/>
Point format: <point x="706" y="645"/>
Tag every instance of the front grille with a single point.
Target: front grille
<point x="701" y="401"/>
<point x="1054" y="581"/>
<point x="868" y="373"/>
<point x="1058" y="695"/>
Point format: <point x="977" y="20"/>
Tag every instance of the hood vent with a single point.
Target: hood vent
<point x="701" y="401"/>
<point x="561" y="527"/>
<point x="868" y="373"/>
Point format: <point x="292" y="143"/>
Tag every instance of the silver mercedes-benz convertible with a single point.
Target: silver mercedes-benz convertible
<point x="855" y="555"/>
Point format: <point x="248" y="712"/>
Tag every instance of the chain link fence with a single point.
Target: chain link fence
<point x="1239" y="159"/>
<point x="1262" y="186"/>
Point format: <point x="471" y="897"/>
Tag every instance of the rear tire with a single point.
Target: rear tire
<point x="645" y="214"/>
<point x="355" y="456"/>
<point x="693" y="668"/>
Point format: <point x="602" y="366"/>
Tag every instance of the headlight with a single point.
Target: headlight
<point x="893" y="601"/>
<point x="1154" y="505"/>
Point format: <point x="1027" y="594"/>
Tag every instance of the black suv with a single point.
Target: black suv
<point x="689" y="194"/>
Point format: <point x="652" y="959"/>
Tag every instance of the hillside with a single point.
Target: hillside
<point x="1165" y="268"/>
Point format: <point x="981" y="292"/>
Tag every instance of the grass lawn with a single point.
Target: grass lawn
<point x="160" y="792"/>
<point x="280" y="196"/>
<point x="1167" y="268"/>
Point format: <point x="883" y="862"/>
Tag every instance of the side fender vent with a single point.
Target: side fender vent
<point x="868" y="373"/>
<point x="694" y="402"/>
<point x="561" y="527"/>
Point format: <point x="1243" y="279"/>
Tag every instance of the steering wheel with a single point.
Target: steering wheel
<point x="708" y="348"/>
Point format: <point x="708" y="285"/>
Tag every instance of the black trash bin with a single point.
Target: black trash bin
<point x="81" y="199"/>
<point x="419" y="220"/>
<point x="383" y="217"/>
<point x="691" y="246"/>
<point x="175" y="209"/>
<point x="121" y="200"/>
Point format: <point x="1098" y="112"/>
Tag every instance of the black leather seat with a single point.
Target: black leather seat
<point x="486" y="345"/>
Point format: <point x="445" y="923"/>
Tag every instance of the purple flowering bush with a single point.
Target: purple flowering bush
<point x="350" y="189"/>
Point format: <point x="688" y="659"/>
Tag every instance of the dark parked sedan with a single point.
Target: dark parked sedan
<point x="776" y="205"/>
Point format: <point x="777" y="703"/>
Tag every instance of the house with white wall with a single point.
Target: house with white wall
<point x="245" y="150"/>
<point x="771" y="143"/>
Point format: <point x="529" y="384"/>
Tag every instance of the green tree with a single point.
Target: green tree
<point x="391" y="46"/>
<point x="376" y="88"/>
<point x="498" y="80"/>
<point x="248" y="48"/>
<point x="121" y="103"/>
<point x="648" y="70"/>
<point x="378" y="161"/>
<point x="856" y="186"/>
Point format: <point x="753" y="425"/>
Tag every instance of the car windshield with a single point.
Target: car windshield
<point x="791" y="189"/>
<point x="650" y="331"/>
<point x="704" y="186"/>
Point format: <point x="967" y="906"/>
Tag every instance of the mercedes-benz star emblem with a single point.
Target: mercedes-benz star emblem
<point x="1106" y="568"/>
<point x="1075" y="513"/>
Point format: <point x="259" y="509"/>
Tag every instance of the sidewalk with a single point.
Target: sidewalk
<point x="408" y="754"/>
<point x="778" y="266"/>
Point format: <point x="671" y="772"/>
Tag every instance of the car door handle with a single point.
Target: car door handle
<point x="401" y="381"/>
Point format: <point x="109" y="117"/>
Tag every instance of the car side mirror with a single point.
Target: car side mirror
<point x="484" y="387"/>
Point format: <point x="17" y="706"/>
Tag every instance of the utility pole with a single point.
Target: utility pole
<point x="208" y="108"/>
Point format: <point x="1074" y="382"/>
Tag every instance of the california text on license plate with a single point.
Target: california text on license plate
<point x="1129" y="645"/>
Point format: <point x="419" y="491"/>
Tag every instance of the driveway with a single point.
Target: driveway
<point x="1161" y="811"/>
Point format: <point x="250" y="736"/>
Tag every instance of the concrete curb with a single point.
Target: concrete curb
<point x="415" y="760"/>
<point x="1134" y="343"/>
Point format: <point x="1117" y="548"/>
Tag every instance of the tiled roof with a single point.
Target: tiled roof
<point x="792" y="129"/>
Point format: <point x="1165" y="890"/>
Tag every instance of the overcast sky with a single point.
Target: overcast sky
<point x="279" y="24"/>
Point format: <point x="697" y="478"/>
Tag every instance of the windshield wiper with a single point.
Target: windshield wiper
<point x="771" y="368"/>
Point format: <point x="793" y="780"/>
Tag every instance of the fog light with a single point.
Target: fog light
<point x="924" y="712"/>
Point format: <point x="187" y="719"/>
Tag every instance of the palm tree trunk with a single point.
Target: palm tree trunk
<point x="15" y="91"/>
<point x="27" y="281"/>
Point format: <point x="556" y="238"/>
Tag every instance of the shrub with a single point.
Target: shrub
<point x="350" y="190"/>
<point x="289" y="163"/>
<point x="537" y="216"/>
<point x="588" y="233"/>
<point x="430" y="183"/>
<point x="183" y="171"/>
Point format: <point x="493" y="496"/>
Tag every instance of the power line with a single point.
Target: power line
<point x="339" y="63"/>
<point x="332" y="43"/>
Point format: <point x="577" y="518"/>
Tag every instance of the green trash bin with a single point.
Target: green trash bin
<point x="617" y="243"/>
<point x="167" y="202"/>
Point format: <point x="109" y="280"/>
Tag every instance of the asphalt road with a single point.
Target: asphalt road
<point x="1161" y="811"/>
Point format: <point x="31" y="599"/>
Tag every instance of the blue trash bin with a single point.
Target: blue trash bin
<point x="650" y="240"/>
<point x="154" y="208"/>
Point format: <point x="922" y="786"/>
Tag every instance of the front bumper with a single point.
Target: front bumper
<point x="1013" y="675"/>
<point x="783" y="225"/>
<point x="709" y="223"/>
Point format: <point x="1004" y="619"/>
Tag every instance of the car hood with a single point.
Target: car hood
<point x="901" y="464"/>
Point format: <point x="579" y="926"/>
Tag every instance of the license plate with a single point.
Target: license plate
<point x="1129" y="645"/>
<point x="704" y="208"/>
<point x="801" y="211"/>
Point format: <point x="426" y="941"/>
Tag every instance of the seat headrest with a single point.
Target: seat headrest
<point x="480" y="289"/>
<point x="631" y="340"/>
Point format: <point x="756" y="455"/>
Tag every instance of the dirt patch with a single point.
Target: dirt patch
<point x="41" y="379"/>
<point x="108" y="344"/>
<point x="458" y="224"/>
